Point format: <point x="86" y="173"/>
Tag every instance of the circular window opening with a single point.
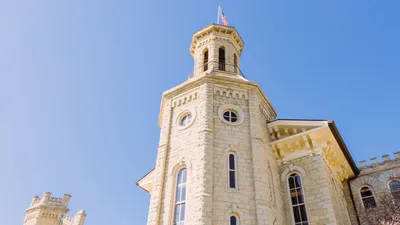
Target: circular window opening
<point x="186" y="120"/>
<point x="230" y="116"/>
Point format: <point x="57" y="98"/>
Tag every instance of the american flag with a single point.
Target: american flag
<point x="222" y="16"/>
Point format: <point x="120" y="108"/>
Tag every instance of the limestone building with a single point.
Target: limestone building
<point x="224" y="158"/>
<point x="49" y="210"/>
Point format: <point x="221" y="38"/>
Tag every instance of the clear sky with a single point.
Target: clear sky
<point x="81" y="84"/>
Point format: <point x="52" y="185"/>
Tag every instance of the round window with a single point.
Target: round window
<point x="186" y="120"/>
<point x="230" y="116"/>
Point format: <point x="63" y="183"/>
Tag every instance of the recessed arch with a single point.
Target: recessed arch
<point x="292" y="169"/>
<point x="205" y="59"/>
<point x="221" y="58"/>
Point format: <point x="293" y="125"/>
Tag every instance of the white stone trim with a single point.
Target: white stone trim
<point x="292" y="169"/>
<point x="184" y="113"/>
<point x="233" y="211"/>
<point x="222" y="109"/>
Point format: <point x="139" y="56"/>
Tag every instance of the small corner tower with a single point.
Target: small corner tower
<point x="216" y="48"/>
<point x="49" y="210"/>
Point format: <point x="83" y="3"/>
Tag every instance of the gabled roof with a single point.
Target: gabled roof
<point x="146" y="182"/>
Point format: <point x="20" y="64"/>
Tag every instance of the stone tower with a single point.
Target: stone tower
<point x="214" y="161"/>
<point x="49" y="210"/>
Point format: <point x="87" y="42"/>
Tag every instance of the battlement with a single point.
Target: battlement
<point x="375" y="162"/>
<point x="67" y="220"/>
<point x="47" y="199"/>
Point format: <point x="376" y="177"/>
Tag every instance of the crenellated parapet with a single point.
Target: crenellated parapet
<point x="48" y="200"/>
<point x="374" y="162"/>
<point x="49" y="210"/>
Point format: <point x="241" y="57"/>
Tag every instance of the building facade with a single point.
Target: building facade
<point x="49" y="210"/>
<point x="224" y="159"/>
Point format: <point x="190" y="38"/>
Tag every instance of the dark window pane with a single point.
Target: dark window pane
<point x="293" y="196"/>
<point x="233" y="220"/>
<point x="231" y="161"/>
<point x="395" y="189"/>
<point x="303" y="213"/>
<point x="232" y="179"/>
<point x="369" y="202"/>
<point x="296" y="213"/>
<point x="291" y="182"/>
<point x="365" y="192"/>
<point x="298" y="182"/>
<point x="300" y="195"/>
<point x="233" y="119"/>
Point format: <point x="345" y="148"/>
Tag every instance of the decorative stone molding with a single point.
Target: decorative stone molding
<point x="292" y="168"/>
<point x="234" y="210"/>
<point x="266" y="113"/>
<point x="184" y="113"/>
<point x="184" y="99"/>
<point x="231" y="93"/>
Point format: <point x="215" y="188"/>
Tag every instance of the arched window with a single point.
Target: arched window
<point x="367" y="197"/>
<point x="395" y="190"/>
<point x="233" y="220"/>
<point x="232" y="170"/>
<point x="235" y="65"/>
<point x="297" y="198"/>
<point x="205" y="60"/>
<point x="221" y="59"/>
<point x="180" y="198"/>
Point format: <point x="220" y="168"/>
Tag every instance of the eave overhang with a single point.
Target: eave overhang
<point x="218" y="30"/>
<point x="212" y="77"/>
<point x="291" y="139"/>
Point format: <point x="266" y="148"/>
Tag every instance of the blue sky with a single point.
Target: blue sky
<point x="81" y="84"/>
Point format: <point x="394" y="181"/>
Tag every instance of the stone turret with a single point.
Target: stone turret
<point x="49" y="210"/>
<point x="216" y="48"/>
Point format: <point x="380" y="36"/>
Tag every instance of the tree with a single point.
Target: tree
<point x="386" y="212"/>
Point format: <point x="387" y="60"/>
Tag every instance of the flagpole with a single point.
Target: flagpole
<point x="218" y="14"/>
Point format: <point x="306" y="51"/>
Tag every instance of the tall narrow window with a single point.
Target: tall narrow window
<point x="180" y="199"/>
<point x="205" y="61"/>
<point x="235" y="65"/>
<point x="221" y="59"/>
<point x="271" y="186"/>
<point x="232" y="170"/>
<point x="233" y="220"/>
<point x="367" y="197"/>
<point x="395" y="190"/>
<point x="297" y="199"/>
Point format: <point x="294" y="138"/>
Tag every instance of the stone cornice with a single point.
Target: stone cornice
<point x="296" y="139"/>
<point x="218" y="30"/>
<point x="215" y="79"/>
